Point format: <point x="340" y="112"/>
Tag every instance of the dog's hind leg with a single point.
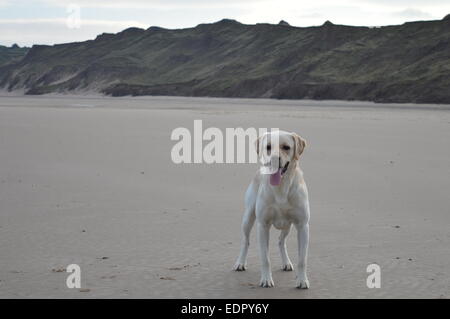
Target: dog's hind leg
<point x="286" y="262"/>
<point x="247" y="224"/>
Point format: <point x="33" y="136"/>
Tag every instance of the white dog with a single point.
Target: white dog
<point x="278" y="198"/>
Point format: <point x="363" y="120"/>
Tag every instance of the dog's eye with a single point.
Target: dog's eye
<point x="269" y="147"/>
<point x="286" y="147"/>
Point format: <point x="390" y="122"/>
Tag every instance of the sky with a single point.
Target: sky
<point x="28" y="22"/>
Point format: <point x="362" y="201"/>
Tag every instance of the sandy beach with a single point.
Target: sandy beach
<point x="89" y="181"/>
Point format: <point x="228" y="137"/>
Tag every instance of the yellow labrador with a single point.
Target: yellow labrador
<point x="277" y="196"/>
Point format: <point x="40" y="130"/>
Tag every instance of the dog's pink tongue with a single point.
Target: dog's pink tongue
<point x="275" y="178"/>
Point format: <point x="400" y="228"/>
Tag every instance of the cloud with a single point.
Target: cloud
<point x="62" y="22"/>
<point x="27" y="32"/>
<point x="154" y="4"/>
<point x="402" y="3"/>
<point x="411" y="13"/>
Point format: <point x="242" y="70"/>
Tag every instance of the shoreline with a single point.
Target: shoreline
<point x="237" y="100"/>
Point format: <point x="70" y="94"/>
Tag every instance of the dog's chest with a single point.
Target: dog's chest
<point x="281" y="214"/>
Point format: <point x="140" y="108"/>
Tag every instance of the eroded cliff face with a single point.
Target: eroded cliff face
<point x="404" y="63"/>
<point x="11" y="54"/>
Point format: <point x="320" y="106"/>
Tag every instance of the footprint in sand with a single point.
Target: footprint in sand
<point x="166" y="278"/>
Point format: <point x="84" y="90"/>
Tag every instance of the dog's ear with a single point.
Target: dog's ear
<point x="300" y="145"/>
<point x="259" y="144"/>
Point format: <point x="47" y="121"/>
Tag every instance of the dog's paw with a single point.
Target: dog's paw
<point x="239" y="267"/>
<point x="266" y="282"/>
<point x="302" y="283"/>
<point x="287" y="267"/>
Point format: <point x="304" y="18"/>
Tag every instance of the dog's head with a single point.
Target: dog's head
<point x="278" y="151"/>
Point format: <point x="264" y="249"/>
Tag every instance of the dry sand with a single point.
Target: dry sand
<point x="89" y="180"/>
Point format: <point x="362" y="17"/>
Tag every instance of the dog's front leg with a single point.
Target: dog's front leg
<point x="247" y="224"/>
<point x="263" y="240"/>
<point x="303" y="241"/>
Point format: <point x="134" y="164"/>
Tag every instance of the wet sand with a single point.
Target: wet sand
<point x="89" y="180"/>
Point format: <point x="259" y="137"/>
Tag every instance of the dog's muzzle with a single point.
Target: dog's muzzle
<point x="284" y="169"/>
